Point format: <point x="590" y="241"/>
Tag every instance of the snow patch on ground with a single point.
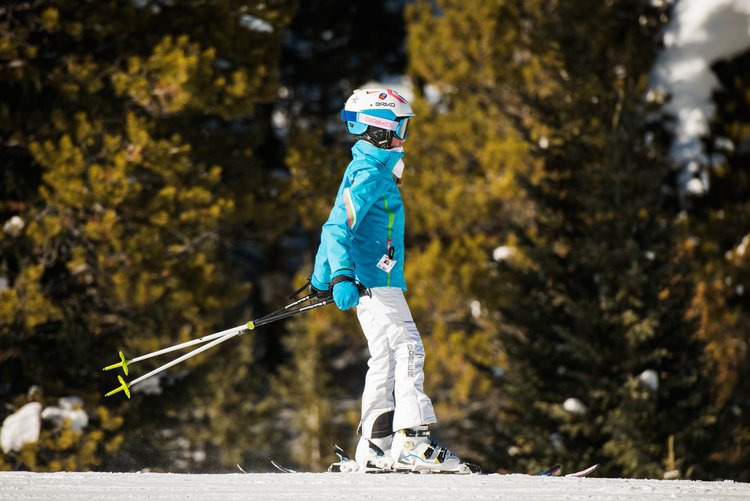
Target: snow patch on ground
<point x="21" y="428"/>
<point x="69" y="408"/>
<point x="24" y="426"/>
<point x="343" y="486"/>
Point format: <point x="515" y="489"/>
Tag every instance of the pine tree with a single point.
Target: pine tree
<point x="126" y="134"/>
<point x="463" y="159"/>
<point x="543" y="151"/>
<point x="715" y="233"/>
<point x="603" y="364"/>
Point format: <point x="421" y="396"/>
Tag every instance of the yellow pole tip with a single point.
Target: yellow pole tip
<point x="250" y="325"/>
<point x="122" y="363"/>
<point x="124" y="387"/>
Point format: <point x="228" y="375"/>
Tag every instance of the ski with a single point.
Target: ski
<point x="348" y="465"/>
<point x="283" y="469"/>
<point x="551" y="472"/>
<point x="555" y="470"/>
<point x="583" y="473"/>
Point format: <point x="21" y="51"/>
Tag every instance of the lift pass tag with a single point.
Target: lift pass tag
<point x="386" y="264"/>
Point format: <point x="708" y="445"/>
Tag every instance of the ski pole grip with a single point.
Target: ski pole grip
<point x="363" y="291"/>
<point x="321" y="295"/>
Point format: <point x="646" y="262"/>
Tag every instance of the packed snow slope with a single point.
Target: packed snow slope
<point x="352" y="486"/>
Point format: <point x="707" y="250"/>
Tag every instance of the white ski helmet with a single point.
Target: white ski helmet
<point x="377" y="116"/>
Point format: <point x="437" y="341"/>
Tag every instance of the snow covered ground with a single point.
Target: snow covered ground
<point x="342" y="486"/>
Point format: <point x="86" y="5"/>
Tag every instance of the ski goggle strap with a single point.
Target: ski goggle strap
<point x="399" y="127"/>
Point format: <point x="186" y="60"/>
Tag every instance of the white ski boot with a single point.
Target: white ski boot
<point x="414" y="450"/>
<point x="373" y="454"/>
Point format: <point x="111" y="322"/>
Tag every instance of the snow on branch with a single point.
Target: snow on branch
<point x="699" y="33"/>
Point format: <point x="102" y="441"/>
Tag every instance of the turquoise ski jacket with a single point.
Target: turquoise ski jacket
<point x="365" y="223"/>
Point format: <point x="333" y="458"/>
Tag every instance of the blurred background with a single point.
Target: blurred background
<point x="578" y="226"/>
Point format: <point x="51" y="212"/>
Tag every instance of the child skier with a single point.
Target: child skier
<point x="363" y="242"/>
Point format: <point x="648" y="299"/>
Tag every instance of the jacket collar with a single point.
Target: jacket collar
<point x="386" y="157"/>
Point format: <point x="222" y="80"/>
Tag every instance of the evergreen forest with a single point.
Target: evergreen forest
<point x="166" y="167"/>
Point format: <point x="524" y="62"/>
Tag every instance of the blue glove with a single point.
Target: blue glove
<point x="346" y="295"/>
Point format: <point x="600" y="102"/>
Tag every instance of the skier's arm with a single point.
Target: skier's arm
<point x="334" y="258"/>
<point x="321" y="275"/>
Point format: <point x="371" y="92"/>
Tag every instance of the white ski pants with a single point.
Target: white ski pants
<point x="395" y="378"/>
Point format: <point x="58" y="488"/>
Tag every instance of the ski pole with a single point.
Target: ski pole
<point x="124" y="363"/>
<point x="218" y="338"/>
<point x="125" y="386"/>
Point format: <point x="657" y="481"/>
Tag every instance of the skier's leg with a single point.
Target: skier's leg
<point x="377" y="397"/>
<point x="376" y="426"/>
<point x="413" y="406"/>
<point x="412" y="447"/>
